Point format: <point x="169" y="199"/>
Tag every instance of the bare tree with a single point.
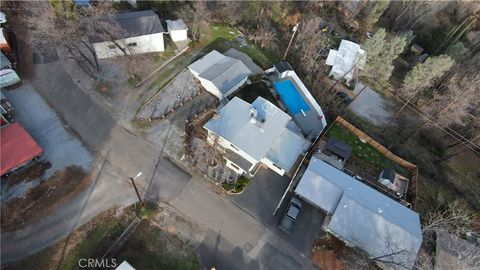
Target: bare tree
<point x="313" y="44"/>
<point x="454" y="218"/>
<point x="71" y="27"/>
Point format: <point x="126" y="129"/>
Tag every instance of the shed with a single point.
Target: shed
<point x="339" y="148"/>
<point x="177" y="29"/>
<point x="387" y="175"/>
<point x="18" y="148"/>
<point x="142" y="32"/>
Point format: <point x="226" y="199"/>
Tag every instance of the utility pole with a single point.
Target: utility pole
<point x="295" y="29"/>
<point x="132" y="179"/>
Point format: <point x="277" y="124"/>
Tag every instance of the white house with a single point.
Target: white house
<point x="344" y="60"/>
<point x="177" y="30"/>
<point x="220" y="75"/>
<point x="255" y="134"/>
<point x="141" y="32"/>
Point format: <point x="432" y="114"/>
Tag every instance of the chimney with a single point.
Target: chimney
<point x="253" y="115"/>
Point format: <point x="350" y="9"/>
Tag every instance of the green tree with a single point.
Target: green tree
<point x="375" y="10"/>
<point x="422" y="76"/>
<point x="381" y="53"/>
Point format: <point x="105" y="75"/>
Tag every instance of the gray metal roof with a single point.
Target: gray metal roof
<point x="223" y="71"/>
<point x="175" y="25"/>
<point x="361" y="215"/>
<point x="256" y="138"/>
<point x="340" y="148"/>
<point x="133" y="24"/>
<point x="283" y="66"/>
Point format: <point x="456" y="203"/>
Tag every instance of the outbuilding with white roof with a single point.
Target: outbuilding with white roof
<point x="177" y="30"/>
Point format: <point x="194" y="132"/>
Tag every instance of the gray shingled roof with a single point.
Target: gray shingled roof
<point x="361" y="215"/>
<point x="133" y="24"/>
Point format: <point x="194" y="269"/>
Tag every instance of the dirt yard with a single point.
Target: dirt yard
<point x="89" y="240"/>
<point x="159" y="242"/>
<point x="329" y="253"/>
<point x="44" y="198"/>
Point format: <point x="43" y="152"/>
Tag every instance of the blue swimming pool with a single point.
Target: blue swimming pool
<point x="290" y="97"/>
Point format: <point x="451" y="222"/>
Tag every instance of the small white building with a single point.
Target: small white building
<point x="255" y="134"/>
<point x="142" y="32"/>
<point x="344" y="60"/>
<point x="220" y="75"/>
<point x="177" y="30"/>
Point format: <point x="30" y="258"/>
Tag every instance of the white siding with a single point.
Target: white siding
<point x="227" y="145"/>
<point x="178" y="35"/>
<point x="210" y="87"/>
<point x="144" y="44"/>
<point x="272" y="166"/>
<point x="234" y="167"/>
<point x="234" y="88"/>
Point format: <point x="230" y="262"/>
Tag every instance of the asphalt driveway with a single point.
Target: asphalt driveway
<point x="260" y="199"/>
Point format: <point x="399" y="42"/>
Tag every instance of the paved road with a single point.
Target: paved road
<point x="121" y="154"/>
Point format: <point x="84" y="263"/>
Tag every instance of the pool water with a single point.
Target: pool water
<point x="290" y="97"/>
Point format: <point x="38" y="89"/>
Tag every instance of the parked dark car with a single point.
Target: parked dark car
<point x="290" y="217"/>
<point x="344" y="97"/>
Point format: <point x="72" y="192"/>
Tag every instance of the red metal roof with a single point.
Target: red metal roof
<point x="18" y="147"/>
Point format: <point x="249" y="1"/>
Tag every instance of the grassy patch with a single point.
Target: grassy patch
<point x="364" y="151"/>
<point x="251" y="91"/>
<point x="146" y="211"/>
<point x="237" y="186"/>
<point x="263" y="58"/>
<point x="151" y="248"/>
<point x="133" y="79"/>
<point x="140" y="124"/>
<point x="223" y="38"/>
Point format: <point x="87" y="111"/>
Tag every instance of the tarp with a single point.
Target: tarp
<point x="18" y="147"/>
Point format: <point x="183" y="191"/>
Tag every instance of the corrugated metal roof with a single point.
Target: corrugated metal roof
<point x="18" y="147"/>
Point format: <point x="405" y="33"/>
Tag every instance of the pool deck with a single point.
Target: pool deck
<point x="309" y="122"/>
